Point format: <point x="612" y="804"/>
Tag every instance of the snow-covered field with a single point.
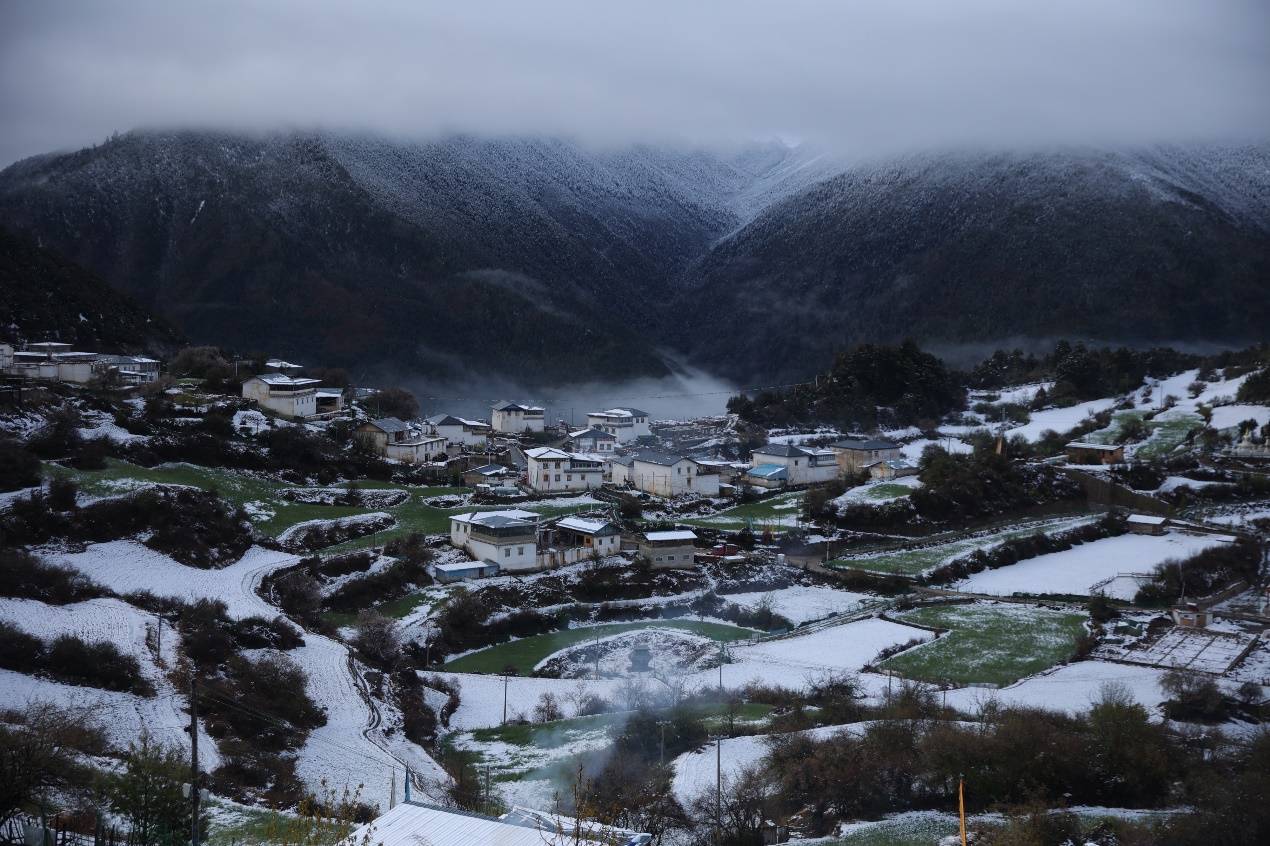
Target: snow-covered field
<point x="802" y="603"/>
<point x="695" y="772"/>
<point x="126" y="566"/>
<point x="913" y="449"/>
<point x="1229" y="416"/>
<point x="879" y="491"/>
<point x="1060" y="419"/>
<point x="1075" y="570"/>
<point x="1071" y="688"/>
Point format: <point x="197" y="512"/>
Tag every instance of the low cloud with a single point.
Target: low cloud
<point x="858" y="77"/>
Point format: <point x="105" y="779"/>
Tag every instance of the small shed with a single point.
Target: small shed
<point x="1191" y="616"/>
<point x="1083" y="452"/>
<point x="487" y="474"/>
<point x="891" y="468"/>
<point x="463" y="571"/>
<point x="1147" y="524"/>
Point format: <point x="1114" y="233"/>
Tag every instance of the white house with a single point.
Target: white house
<point x="512" y="418"/>
<point x="803" y="465"/>
<point x="626" y="424"/>
<point x="290" y="396"/>
<point x="661" y="474"/>
<point x="668" y="549"/>
<point x="573" y="539"/>
<point x="399" y="441"/>
<point x="457" y="430"/>
<point x="133" y="369"/>
<point x="592" y="441"/>
<point x="552" y="469"/>
<point x="506" y="538"/>
<point x="854" y="454"/>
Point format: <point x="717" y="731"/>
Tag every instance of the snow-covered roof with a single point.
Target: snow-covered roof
<point x="512" y="406"/>
<point x="461" y="566"/>
<point x="662" y="459"/>
<point x="676" y="534"/>
<point x="1088" y="445"/>
<point x="618" y="413"/>
<point x="592" y="434"/>
<point x="279" y="380"/>
<point x="547" y="452"/>
<point x="496" y="518"/>
<point x="580" y="524"/>
<point x="1147" y="520"/>
<point x="781" y="450"/>
<point x="279" y="364"/>
<point x="489" y="470"/>
<point x="894" y="463"/>
<point x="769" y="471"/>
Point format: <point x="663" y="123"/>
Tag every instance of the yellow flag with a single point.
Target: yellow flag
<point x="961" y="803"/>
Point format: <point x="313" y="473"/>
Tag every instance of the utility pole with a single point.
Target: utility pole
<point x="504" y="699"/>
<point x="194" y="779"/>
<point x="718" y="784"/>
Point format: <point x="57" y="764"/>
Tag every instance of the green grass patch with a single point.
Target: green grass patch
<point x="992" y="644"/>
<point x="1167" y="435"/>
<point x="768" y="513"/>
<point x="525" y="653"/>
<point x="917" y="829"/>
<point x="887" y="490"/>
<point x="915" y="561"/>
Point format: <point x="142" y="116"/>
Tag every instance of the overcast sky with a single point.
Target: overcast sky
<point x="857" y="77"/>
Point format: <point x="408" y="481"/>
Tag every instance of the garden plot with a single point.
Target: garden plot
<point x="802" y="603"/>
<point x="798" y="661"/>
<point x="878" y="491"/>
<point x="915" y="561"/>
<point x="1073" y="572"/>
<point x="993" y="644"/>
<point x="777" y="513"/>
<point x="1071" y="688"/>
<point x="482" y="696"/>
<point x="1203" y="650"/>
<point x="671" y="651"/>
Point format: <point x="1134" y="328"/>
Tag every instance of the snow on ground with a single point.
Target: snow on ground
<point x="696" y="772"/>
<point x="369" y="518"/>
<point x="802" y="603"/>
<point x="796" y="662"/>
<point x="1229" y="416"/>
<point x="1174" y="482"/>
<point x="339" y="751"/>
<point x="804" y="437"/>
<point x="126" y="566"/>
<point x="1075" y="570"/>
<point x="124" y="715"/>
<point x="1060" y="419"/>
<point x="1238" y="516"/>
<point x="868" y="492"/>
<point x="913" y="449"/>
<point x="1221" y="391"/>
<point x="481" y="697"/>
<point x="99" y="424"/>
<point x="1071" y="688"/>
<point x="1017" y="394"/>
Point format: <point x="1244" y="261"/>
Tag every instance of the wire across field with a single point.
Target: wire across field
<point x="988" y="644"/>
<point x="525" y="653"/>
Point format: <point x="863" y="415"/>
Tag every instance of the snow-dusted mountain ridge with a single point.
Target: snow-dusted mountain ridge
<point x="540" y="258"/>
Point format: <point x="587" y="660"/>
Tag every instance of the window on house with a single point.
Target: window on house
<point x="569" y="477"/>
<point x="557" y="477"/>
<point x="520" y="550"/>
<point x="507" y="553"/>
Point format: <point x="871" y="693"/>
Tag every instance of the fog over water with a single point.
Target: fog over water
<point x="688" y="394"/>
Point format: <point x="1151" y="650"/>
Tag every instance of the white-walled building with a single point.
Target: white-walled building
<point x="661" y="474"/>
<point x="552" y="469"/>
<point x="506" y="538"/>
<point x="395" y="439"/>
<point x="668" y="549"/>
<point x="626" y="424"/>
<point x="289" y="396"/>
<point x="457" y="430"/>
<point x="512" y="418"/>
<point x="573" y="539"/>
<point x="803" y="465"/>
<point x="855" y="454"/>
<point x="591" y="441"/>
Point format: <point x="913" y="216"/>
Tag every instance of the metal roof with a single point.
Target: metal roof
<point x="592" y="434"/>
<point x="279" y="379"/>
<point x="414" y="823"/>
<point x="769" y="471"/>
<point x="678" y="534"/>
<point x="587" y="527"/>
<point x="663" y="459"/>
<point x="782" y="450"/>
<point x="389" y="424"/>
<point x="1087" y="445"/>
<point x="497" y="519"/>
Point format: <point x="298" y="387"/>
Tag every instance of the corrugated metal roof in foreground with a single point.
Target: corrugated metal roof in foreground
<point x="411" y="824"/>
